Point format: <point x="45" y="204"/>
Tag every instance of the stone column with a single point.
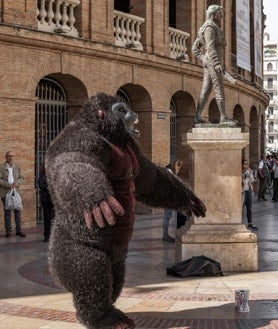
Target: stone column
<point x="216" y="172"/>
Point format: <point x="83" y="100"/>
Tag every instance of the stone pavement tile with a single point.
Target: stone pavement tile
<point x="125" y="303"/>
<point x="16" y="322"/>
<point x="263" y="309"/>
<point x="183" y="323"/>
<point x="150" y="306"/>
<point x="183" y="286"/>
<point x="3" y="317"/>
<point x="213" y="286"/>
<point x="61" y="325"/>
<point x="193" y="309"/>
<point x="258" y="282"/>
<point x="61" y="302"/>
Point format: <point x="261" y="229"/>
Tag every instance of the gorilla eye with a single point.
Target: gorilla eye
<point x="122" y="110"/>
<point x="119" y="108"/>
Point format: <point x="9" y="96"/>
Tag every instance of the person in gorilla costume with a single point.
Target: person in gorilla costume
<point x="95" y="170"/>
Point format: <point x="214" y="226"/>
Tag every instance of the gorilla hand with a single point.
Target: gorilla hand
<point x="106" y="210"/>
<point x="197" y="207"/>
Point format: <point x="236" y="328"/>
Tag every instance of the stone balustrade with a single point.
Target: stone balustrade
<point x="57" y="16"/>
<point x="178" y="40"/>
<point x="127" y="30"/>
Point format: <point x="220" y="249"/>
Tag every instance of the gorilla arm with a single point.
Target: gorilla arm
<point x="81" y="186"/>
<point x="157" y="187"/>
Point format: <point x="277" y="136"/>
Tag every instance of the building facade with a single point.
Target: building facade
<point x="271" y="87"/>
<point x="56" y="53"/>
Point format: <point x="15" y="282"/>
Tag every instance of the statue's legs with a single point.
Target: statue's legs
<point x="206" y="90"/>
<point x="218" y="84"/>
<point x="200" y="106"/>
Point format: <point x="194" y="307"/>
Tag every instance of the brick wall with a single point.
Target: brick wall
<point x="84" y="68"/>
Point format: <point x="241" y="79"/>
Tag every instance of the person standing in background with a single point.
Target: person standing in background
<point x="174" y="167"/>
<point x="275" y="179"/>
<point x="46" y="203"/>
<point x="263" y="174"/>
<point x="247" y="190"/>
<point x="10" y="177"/>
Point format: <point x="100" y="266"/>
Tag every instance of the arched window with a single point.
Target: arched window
<point x="51" y="114"/>
<point x="122" y="5"/>
<point x="213" y="2"/>
<point x="50" y="119"/>
<point x="269" y="67"/>
<point x="123" y="96"/>
<point x="271" y="127"/>
<point x="172" y="13"/>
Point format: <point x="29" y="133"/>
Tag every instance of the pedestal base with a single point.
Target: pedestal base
<point x="216" y="173"/>
<point x="232" y="245"/>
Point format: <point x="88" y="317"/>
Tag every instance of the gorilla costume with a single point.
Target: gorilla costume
<point x="95" y="169"/>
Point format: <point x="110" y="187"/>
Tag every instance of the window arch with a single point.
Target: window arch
<point x="123" y="96"/>
<point x="269" y="67"/>
<point x="50" y="119"/>
<point x="50" y="115"/>
<point x="271" y="127"/>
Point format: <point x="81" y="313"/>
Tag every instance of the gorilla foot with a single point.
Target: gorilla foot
<point x="125" y="323"/>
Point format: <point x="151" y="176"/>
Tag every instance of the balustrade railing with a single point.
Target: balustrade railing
<point x="178" y="40"/>
<point x="57" y="16"/>
<point x="127" y="30"/>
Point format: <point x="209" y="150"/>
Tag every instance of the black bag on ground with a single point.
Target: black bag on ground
<point x="181" y="219"/>
<point x="196" y="266"/>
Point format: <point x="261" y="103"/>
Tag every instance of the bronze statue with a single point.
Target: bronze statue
<point x="211" y="38"/>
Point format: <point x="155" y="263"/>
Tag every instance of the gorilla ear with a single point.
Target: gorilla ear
<point x="100" y="113"/>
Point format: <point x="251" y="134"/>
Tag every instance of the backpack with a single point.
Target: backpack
<point x="265" y="170"/>
<point x="196" y="266"/>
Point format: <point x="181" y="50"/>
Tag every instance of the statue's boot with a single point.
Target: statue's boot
<point x="223" y="117"/>
<point x="200" y="107"/>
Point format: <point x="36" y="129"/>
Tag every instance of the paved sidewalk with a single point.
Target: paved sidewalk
<point x="30" y="299"/>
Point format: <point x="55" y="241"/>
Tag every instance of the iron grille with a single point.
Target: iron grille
<point x="51" y="118"/>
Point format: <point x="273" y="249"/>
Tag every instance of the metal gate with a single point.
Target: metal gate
<point x="51" y="118"/>
<point x="123" y="96"/>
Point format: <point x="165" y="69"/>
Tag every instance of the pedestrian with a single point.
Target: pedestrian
<point x="275" y="179"/>
<point x="211" y="39"/>
<point x="263" y="174"/>
<point x="247" y="190"/>
<point x="10" y="178"/>
<point x="46" y="203"/>
<point x="174" y="168"/>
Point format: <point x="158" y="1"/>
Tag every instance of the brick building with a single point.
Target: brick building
<point x="271" y="87"/>
<point x="56" y="53"/>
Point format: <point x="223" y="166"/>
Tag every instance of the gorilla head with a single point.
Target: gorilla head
<point x="112" y="118"/>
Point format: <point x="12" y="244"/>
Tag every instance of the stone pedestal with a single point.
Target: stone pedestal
<point x="216" y="166"/>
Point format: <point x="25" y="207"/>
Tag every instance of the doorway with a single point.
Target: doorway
<point x="50" y="119"/>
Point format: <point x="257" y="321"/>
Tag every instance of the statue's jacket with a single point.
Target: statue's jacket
<point x="212" y="39"/>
